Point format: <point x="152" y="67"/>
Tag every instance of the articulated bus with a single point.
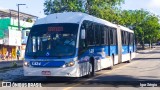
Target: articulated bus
<point x="74" y="44"/>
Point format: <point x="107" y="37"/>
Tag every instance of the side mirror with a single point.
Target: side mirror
<point x="83" y="34"/>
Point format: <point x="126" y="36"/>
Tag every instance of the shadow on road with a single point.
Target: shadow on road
<point x="146" y="59"/>
<point x="119" y="80"/>
<point x="152" y="52"/>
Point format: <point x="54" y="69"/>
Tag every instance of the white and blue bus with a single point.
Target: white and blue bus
<point x="74" y="44"/>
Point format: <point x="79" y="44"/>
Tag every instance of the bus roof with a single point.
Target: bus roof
<point x="71" y="17"/>
<point x="76" y="17"/>
<point x="126" y="29"/>
<point x="66" y="17"/>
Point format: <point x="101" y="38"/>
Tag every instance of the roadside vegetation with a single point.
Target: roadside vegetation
<point x="144" y="23"/>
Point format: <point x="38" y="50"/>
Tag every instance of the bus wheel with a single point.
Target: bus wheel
<point x="90" y="70"/>
<point x="129" y="61"/>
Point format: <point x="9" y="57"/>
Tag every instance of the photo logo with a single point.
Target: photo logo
<point x="6" y="84"/>
<point x="14" y="84"/>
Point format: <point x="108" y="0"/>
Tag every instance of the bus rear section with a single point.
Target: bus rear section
<point x="128" y="45"/>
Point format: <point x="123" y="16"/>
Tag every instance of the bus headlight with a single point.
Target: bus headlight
<point x="71" y="63"/>
<point x="26" y="64"/>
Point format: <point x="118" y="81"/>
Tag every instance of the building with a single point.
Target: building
<point x="11" y="38"/>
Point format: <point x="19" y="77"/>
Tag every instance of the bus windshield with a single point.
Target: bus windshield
<point x="52" y="40"/>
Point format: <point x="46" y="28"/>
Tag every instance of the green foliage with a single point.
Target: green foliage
<point x="105" y="9"/>
<point x="57" y="6"/>
<point x="145" y="24"/>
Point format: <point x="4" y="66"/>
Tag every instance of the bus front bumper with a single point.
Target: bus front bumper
<point x="40" y="71"/>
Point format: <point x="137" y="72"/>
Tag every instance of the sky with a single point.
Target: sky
<point x="152" y="6"/>
<point x="35" y="7"/>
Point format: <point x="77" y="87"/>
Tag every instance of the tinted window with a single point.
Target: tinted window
<point x="52" y="40"/>
<point x="113" y="36"/>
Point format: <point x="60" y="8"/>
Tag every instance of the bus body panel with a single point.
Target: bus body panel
<point x="102" y="54"/>
<point x="116" y="60"/>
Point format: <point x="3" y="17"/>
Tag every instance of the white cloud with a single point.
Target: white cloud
<point x="154" y="4"/>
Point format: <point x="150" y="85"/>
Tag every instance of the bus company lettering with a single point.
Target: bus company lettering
<point x="36" y="63"/>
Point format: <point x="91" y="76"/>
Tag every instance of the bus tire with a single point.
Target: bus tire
<point x="92" y="64"/>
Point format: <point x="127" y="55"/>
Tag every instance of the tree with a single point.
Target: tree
<point x="57" y="6"/>
<point x="151" y="27"/>
<point x="105" y="9"/>
<point x="144" y="24"/>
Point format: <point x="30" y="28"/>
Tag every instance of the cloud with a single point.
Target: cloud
<point x="154" y="4"/>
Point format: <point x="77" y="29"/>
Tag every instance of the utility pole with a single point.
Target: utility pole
<point x="18" y="16"/>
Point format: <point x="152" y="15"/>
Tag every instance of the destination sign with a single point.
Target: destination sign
<point x="55" y="29"/>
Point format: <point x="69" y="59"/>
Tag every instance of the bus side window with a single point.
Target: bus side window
<point x="106" y="35"/>
<point x="97" y="34"/>
<point x="115" y="37"/>
<point x="122" y="37"/>
<point x="83" y="42"/>
<point x="89" y="33"/>
<point x="111" y="36"/>
<point x="102" y="36"/>
<point x="131" y="39"/>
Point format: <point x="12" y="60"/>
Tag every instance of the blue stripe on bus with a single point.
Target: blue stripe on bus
<point x="131" y="48"/>
<point x="47" y="63"/>
<point x="113" y="50"/>
<point x="125" y="49"/>
<point x="100" y="52"/>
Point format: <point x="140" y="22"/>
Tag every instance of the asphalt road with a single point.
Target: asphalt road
<point x="142" y="73"/>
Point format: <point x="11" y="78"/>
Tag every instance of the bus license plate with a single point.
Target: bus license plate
<point x="46" y="73"/>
